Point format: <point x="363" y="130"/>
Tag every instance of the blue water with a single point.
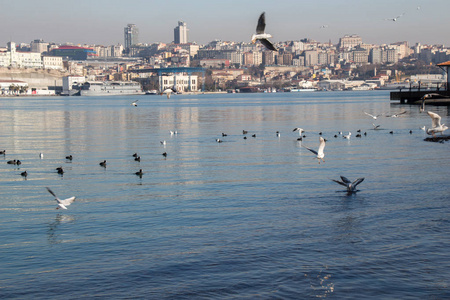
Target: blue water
<point x="255" y="218"/>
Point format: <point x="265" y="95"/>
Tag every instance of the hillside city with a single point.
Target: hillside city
<point x="225" y="65"/>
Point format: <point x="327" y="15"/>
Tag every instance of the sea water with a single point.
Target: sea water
<point x="253" y="217"/>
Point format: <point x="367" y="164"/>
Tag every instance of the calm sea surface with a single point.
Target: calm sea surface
<point x="255" y="218"/>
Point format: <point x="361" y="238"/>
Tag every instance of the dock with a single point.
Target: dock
<point x="436" y="97"/>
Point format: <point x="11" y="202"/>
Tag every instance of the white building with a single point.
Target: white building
<point x="182" y="83"/>
<point x="52" y="62"/>
<point x="12" y="58"/>
<point x="7" y="86"/>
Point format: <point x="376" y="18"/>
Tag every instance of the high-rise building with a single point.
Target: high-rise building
<point x="131" y="36"/>
<point x="180" y="33"/>
<point x="349" y="41"/>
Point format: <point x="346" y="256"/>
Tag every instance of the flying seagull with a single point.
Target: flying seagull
<point x="134" y="103"/>
<point x="373" y="116"/>
<point x="394" y="19"/>
<point x="261" y="35"/>
<point x="396" y="115"/>
<point x="351" y="186"/>
<point x="61" y="203"/>
<point x="436" y="125"/>
<point x="375" y="127"/>
<point x="169" y="91"/>
<point x="319" y="152"/>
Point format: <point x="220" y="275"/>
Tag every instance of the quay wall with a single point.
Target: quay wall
<point x="36" y="78"/>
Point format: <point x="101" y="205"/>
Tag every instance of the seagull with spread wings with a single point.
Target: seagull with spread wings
<point x="319" y="153"/>
<point x="261" y="35"/>
<point x="436" y="125"/>
<point x="61" y="203"/>
<point x="351" y="186"/>
<point x="373" y="116"/>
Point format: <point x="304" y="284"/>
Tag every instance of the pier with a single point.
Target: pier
<point x="439" y="96"/>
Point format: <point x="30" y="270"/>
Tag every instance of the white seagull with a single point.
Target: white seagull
<point x="436" y="125"/>
<point x="347" y="136"/>
<point x="373" y="116"/>
<point x="61" y="203"/>
<point x="319" y="152"/>
<point x="396" y="18"/>
<point x="351" y="186"/>
<point x="396" y="115"/>
<point x="375" y="127"/>
<point x="169" y="91"/>
<point x="134" y="103"/>
<point x="261" y="35"/>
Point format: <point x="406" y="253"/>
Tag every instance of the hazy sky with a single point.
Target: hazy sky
<point x="102" y="21"/>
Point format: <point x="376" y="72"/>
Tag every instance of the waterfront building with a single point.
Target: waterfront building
<point x="180" y="33"/>
<point x="131" y="36"/>
<point x="182" y="83"/>
<point x="17" y="59"/>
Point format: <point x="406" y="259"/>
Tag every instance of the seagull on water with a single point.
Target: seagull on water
<point x="436" y="125"/>
<point x="134" y="103"/>
<point x="351" y="186"/>
<point x="347" y="136"/>
<point x="319" y="153"/>
<point x="61" y="203"/>
<point x="373" y="116"/>
<point x="375" y="127"/>
<point x="261" y="35"/>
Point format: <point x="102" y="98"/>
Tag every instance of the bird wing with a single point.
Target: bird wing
<point x="369" y="114"/>
<point x="261" y="24"/>
<point x="345" y="179"/>
<point x="312" y="150"/>
<point x="435" y="119"/>
<point x="340" y="182"/>
<point x="268" y="44"/>
<point x="51" y="192"/>
<point x="321" y="145"/>
<point x="67" y="202"/>
<point x="357" y="181"/>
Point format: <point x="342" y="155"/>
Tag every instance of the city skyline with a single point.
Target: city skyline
<point x="102" y="22"/>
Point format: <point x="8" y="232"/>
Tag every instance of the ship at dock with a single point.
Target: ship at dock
<point x="103" y="88"/>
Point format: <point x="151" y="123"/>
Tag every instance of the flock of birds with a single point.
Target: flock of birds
<point x="436" y="127"/>
<point x="263" y="38"/>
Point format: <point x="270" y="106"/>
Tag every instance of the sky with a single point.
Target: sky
<point x="101" y="22"/>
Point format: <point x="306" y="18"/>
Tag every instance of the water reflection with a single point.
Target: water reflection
<point x="52" y="230"/>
